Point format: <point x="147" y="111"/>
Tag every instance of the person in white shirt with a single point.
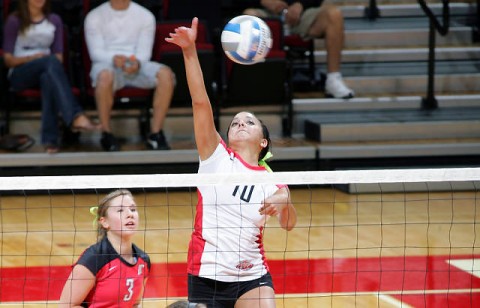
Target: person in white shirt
<point x="226" y="259"/>
<point x="120" y="36"/>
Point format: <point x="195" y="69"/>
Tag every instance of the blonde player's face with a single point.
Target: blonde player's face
<point x="245" y="126"/>
<point x="122" y="215"/>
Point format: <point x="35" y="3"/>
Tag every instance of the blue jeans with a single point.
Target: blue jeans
<point x="49" y="75"/>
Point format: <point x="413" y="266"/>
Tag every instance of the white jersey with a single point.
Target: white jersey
<point x="227" y="242"/>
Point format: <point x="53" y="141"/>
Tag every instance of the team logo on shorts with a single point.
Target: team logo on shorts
<point x="244" y="265"/>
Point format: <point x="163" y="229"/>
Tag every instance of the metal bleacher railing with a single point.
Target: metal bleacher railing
<point x="430" y="102"/>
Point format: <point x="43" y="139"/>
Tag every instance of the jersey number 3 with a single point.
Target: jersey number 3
<point x="129" y="282"/>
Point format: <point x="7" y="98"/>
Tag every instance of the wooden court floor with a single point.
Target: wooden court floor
<point x="347" y="250"/>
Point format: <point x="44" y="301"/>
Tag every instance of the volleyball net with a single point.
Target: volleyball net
<point x="383" y="238"/>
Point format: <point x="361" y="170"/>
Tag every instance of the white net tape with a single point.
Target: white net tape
<point x="290" y="178"/>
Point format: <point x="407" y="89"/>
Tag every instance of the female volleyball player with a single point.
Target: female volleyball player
<point x="226" y="262"/>
<point x="112" y="272"/>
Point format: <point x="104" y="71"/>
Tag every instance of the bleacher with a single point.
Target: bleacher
<point x="393" y="120"/>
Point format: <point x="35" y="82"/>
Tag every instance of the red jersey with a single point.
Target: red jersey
<point x="118" y="283"/>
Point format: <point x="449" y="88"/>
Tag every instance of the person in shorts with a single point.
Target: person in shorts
<point x="120" y="36"/>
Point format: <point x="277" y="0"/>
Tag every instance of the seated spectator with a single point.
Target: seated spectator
<point x="119" y="36"/>
<point x="33" y="50"/>
<point x="312" y="19"/>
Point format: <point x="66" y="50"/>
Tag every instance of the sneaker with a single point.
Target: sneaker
<point x="109" y="142"/>
<point x="18" y="142"/>
<point x="157" y="141"/>
<point x="336" y="88"/>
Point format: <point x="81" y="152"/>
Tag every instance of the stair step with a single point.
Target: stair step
<point x="406" y="84"/>
<point x="386" y="150"/>
<point x="312" y="105"/>
<point x="410" y="10"/>
<point x="401" y="38"/>
<point x="394" y="125"/>
<point x="402" y="54"/>
<point x="391" y="69"/>
<point x="392" y="84"/>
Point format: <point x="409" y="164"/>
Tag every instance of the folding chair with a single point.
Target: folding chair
<point x="299" y="48"/>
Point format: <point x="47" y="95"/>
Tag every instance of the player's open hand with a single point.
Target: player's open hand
<point x="184" y="37"/>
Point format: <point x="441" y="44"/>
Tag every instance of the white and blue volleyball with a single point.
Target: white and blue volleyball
<point x="246" y="39"/>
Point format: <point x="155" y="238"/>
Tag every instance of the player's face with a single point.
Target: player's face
<point x="245" y="126"/>
<point x="122" y="215"/>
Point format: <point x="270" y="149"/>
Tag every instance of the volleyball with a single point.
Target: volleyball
<point x="246" y="39"/>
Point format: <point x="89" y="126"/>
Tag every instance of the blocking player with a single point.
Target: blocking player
<point x="113" y="272"/>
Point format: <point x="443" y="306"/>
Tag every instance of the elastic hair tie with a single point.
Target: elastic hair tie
<point x="263" y="162"/>
<point x="94" y="212"/>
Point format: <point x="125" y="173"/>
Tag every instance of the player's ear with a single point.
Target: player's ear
<point x="104" y="223"/>
<point x="264" y="143"/>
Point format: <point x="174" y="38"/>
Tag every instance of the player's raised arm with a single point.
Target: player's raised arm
<point x="206" y="136"/>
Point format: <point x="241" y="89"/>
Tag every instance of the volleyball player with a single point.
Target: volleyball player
<point x="112" y="272"/>
<point x="226" y="261"/>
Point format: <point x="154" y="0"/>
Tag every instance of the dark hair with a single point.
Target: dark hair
<point x="104" y="205"/>
<point x="266" y="135"/>
<point x="24" y="14"/>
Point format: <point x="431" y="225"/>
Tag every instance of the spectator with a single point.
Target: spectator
<point x="313" y="19"/>
<point x="119" y="36"/>
<point x="33" y="50"/>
